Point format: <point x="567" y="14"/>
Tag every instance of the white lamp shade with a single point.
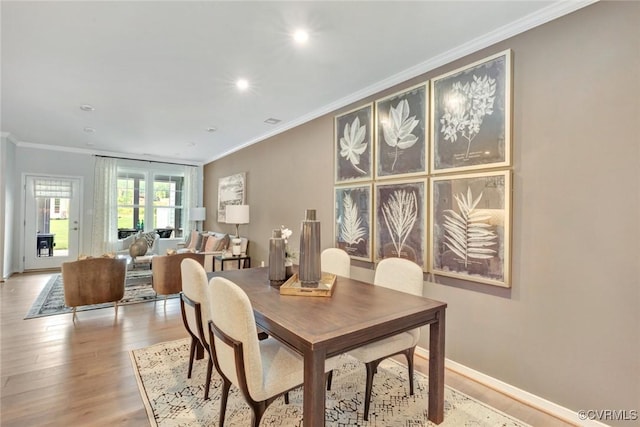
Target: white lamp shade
<point x="237" y="214"/>
<point x="198" y="214"/>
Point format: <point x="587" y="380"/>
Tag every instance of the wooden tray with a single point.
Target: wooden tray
<point x="324" y="288"/>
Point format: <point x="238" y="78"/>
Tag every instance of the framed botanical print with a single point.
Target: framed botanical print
<point x="471" y="116"/>
<point x="231" y="191"/>
<point x="400" y="220"/>
<point x="352" y="220"/>
<point x="401" y="133"/>
<point x="353" y="145"/>
<point x="471" y="227"/>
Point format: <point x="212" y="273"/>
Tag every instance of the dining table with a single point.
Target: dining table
<point x="357" y="313"/>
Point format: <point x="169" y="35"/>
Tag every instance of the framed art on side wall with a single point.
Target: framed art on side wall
<point x="352" y="220"/>
<point x="400" y="220"/>
<point x="353" y="145"/>
<point x="471" y="227"/>
<point x="231" y="191"/>
<point x="401" y="133"/>
<point x="471" y="116"/>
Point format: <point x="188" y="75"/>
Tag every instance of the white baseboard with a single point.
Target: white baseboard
<point x="523" y="396"/>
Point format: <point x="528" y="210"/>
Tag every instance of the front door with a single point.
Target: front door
<point x="52" y="221"/>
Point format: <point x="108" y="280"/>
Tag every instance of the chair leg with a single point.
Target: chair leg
<point x="258" y="412"/>
<point x="286" y="398"/>
<point x="207" y="383"/>
<point x="226" y="385"/>
<point x="115" y="305"/>
<point x="74" y="314"/>
<point x="372" y="367"/>
<point x="409" y="354"/>
<point x="329" y="379"/>
<point x="192" y="353"/>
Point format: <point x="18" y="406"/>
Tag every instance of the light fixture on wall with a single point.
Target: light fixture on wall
<point x="237" y="214"/>
<point x="197" y="215"/>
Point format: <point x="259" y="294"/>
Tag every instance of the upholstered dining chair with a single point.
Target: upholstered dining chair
<point x="263" y="370"/>
<point x="402" y="275"/>
<point x="336" y="261"/>
<point x="195" y="313"/>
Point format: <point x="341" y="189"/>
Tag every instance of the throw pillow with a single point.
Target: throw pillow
<point x="205" y="238"/>
<point x="223" y="244"/>
<point x="84" y="256"/>
<point x="149" y="237"/>
<point x="171" y="251"/>
<point x="212" y="242"/>
<point x="193" y="239"/>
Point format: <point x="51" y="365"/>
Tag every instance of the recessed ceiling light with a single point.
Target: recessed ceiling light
<point x="300" y="36"/>
<point x="191" y="144"/>
<point x="272" y="121"/>
<point x="87" y="107"/>
<point x="89" y="130"/>
<point x="91" y="144"/>
<point x="212" y="129"/>
<point x="242" y="84"/>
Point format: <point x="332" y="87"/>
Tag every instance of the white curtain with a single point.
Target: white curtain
<point x="105" y="202"/>
<point x="190" y="197"/>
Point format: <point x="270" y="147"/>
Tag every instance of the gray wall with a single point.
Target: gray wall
<point x="569" y="329"/>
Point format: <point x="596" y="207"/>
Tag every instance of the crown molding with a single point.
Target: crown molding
<point x="540" y="17"/>
<point x="89" y="152"/>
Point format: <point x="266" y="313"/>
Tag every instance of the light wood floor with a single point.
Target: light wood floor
<point x="56" y="372"/>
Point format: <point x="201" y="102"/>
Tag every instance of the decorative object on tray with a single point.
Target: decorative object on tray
<point x="289" y="255"/>
<point x="352" y="220"/>
<point x="470" y="216"/>
<point x="276" y="258"/>
<point x="309" y="271"/>
<point x="354" y="145"/>
<point x="401" y="133"/>
<point x="321" y="288"/>
<point x="471" y="116"/>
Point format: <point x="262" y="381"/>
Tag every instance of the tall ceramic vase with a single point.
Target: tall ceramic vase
<point x="276" y="258"/>
<point x="309" y="269"/>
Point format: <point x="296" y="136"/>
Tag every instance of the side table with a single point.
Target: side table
<point x="244" y="261"/>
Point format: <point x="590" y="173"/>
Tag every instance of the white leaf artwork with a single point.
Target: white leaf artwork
<point x="466" y="233"/>
<point x="400" y="213"/>
<point x="351" y="230"/>
<point x="465" y="108"/>
<point x="352" y="143"/>
<point x="397" y="129"/>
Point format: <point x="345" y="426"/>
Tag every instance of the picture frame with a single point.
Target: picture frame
<point x="401" y="220"/>
<point x="353" y="145"/>
<point x="471" y="227"/>
<point x="352" y="220"/>
<point x="471" y="116"/>
<point x="231" y="191"/>
<point x="402" y="133"/>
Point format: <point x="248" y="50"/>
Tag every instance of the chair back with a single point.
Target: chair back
<point x="93" y="281"/>
<point x="336" y="261"/>
<point x="194" y="287"/>
<point x="166" y="273"/>
<point x="400" y="274"/>
<point x="236" y="350"/>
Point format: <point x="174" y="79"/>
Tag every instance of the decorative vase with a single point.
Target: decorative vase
<point x="309" y="270"/>
<point x="277" y="272"/>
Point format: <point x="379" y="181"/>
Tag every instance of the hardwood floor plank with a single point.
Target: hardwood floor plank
<point x="56" y="371"/>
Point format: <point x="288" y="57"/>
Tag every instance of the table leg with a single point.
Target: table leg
<point x="314" y="388"/>
<point x="436" y="369"/>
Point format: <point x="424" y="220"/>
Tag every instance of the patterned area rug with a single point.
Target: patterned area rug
<point x="51" y="299"/>
<point x="173" y="400"/>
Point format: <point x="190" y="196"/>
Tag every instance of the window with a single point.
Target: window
<point x="148" y="200"/>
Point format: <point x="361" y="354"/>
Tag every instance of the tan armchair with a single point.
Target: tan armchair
<point x="166" y="277"/>
<point x="93" y="281"/>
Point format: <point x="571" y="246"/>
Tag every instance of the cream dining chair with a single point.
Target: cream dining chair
<point x="263" y="370"/>
<point x="336" y="261"/>
<point x="402" y="275"/>
<point x="195" y="313"/>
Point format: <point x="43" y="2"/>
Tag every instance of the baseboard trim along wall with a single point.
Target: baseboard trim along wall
<point x="523" y="396"/>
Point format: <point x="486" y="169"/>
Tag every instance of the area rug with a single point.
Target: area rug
<point x="51" y="299"/>
<point x="173" y="400"/>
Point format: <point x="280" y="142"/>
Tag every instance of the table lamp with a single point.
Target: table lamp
<point x="197" y="215"/>
<point x="237" y="214"/>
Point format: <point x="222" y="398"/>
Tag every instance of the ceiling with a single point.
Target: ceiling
<point x="161" y="73"/>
